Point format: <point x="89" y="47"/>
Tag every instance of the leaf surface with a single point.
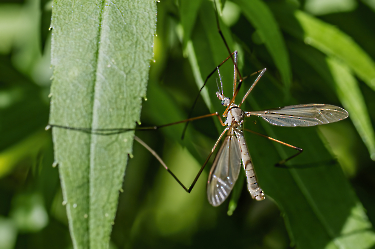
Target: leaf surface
<point x="307" y="193"/>
<point x="262" y="18"/>
<point x="101" y="51"/>
<point x="326" y="38"/>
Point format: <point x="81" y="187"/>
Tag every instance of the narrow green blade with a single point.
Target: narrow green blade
<point x="308" y="191"/>
<point x="261" y="17"/>
<point x="328" y="39"/>
<point x="339" y="46"/>
<point x="342" y="80"/>
<point x="101" y="53"/>
<point x="188" y="12"/>
<point x="317" y="202"/>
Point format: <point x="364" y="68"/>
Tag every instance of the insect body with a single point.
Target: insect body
<point x="227" y="164"/>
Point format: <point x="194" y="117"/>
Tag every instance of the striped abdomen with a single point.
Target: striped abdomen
<point x="252" y="183"/>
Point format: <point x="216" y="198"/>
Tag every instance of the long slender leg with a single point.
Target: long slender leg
<point x="160" y="160"/>
<point x="282" y="162"/>
<point x="248" y="92"/>
<point x="221" y="89"/>
<point x="253" y="85"/>
<point x="114" y="131"/>
<point x="170" y="172"/>
<point x="234" y="59"/>
<point x="208" y="158"/>
<point x="225" y="42"/>
<point x="235" y="73"/>
<point x="200" y="90"/>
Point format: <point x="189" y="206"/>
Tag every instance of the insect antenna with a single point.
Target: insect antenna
<point x="231" y="56"/>
<point x="199" y="93"/>
<point x="225" y="41"/>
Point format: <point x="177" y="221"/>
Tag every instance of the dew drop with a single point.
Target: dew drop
<point x="54" y="164"/>
<point x="75" y="205"/>
<point x="64" y="203"/>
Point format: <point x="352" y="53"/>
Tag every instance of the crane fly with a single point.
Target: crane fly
<point x="227" y="164"/>
<point x="234" y="152"/>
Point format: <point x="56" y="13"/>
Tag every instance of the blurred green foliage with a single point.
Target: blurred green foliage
<point x="153" y="210"/>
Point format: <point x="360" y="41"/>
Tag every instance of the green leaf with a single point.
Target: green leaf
<point x="340" y="77"/>
<point x="8" y="233"/>
<point x="328" y="39"/>
<point x="197" y="73"/>
<point x="101" y="53"/>
<point x="339" y="47"/>
<point x="20" y="103"/>
<point x="188" y="13"/>
<point x="206" y="52"/>
<point x="29" y="213"/>
<point x="307" y="196"/>
<point x="352" y="99"/>
<point x="308" y="191"/>
<point x="13" y="155"/>
<point x="262" y="18"/>
<point x="10" y="25"/>
<point x="220" y="5"/>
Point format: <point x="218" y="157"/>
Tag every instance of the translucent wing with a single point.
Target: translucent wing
<point x="303" y="115"/>
<point x="224" y="171"/>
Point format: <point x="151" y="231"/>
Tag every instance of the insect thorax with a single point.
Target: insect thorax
<point x="235" y="117"/>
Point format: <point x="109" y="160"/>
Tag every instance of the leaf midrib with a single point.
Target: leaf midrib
<point x="101" y="9"/>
